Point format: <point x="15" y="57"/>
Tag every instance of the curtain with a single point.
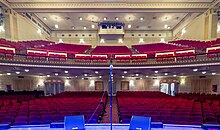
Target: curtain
<point x="23" y="84"/>
<point x="201" y="85"/>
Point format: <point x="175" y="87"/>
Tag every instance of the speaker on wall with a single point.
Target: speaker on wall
<point x="74" y="123"/>
<point x="140" y="123"/>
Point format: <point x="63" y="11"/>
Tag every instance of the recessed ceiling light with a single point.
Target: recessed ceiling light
<point x="129" y="25"/>
<point x="85" y="75"/>
<point x="147" y="76"/>
<point x="84" y="27"/>
<point x="137" y="74"/>
<point x="156" y="71"/>
<point x="56" y="74"/>
<point x="213" y="73"/>
<point x="141" y="18"/>
<point x="116" y="18"/>
<point x="165" y="26"/>
<point x="93" y="26"/>
<point x="100" y="76"/>
<point x="174" y="75"/>
<point x="204" y="72"/>
<point x="17" y="72"/>
<point x="80" y="18"/>
<point x="96" y="72"/>
<point x="26" y="70"/>
<point x="105" y="18"/>
<point x="66" y="71"/>
<point x="195" y="70"/>
<point x="165" y="73"/>
<point x="56" y="26"/>
<point x="45" y="18"/>
<point x="8" y="73"/>
<point x="125" y="72"/>
<point x="48" y="75"/>
<point x="123" y="76"/>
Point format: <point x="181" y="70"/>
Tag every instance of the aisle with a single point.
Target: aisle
<point x="106" y="117"/>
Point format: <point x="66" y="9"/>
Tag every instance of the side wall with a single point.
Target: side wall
<point x="73" y="84"/>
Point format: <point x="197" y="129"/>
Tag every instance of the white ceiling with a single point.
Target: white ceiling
<point x="184" y="1"/>
<point x="152" y="21"/>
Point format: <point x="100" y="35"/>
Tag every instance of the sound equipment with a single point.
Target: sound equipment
<point x="74" y="123"/>
<point x="140" y="123"/>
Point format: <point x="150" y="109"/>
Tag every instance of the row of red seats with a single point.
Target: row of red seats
<point x="166" y="109"/>
<point x="53" y="108"/>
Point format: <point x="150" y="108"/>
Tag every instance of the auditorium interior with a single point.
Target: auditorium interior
<point x="110" y="64"/>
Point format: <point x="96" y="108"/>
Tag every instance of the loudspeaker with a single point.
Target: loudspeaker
<point x="140" y="123"/>
<point x="74" y="122"/>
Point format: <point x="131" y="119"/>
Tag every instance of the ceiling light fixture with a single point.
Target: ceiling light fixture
<point x="204" y="72"/>
<point x="84" y="27"/>
<point x="56" y="26"/>
<point x="45" y="18"/>
<point x="102" y="40"/>
<point x="56" y="74"/>
<point x="213" y="73"/>
<point x="147" y="76"/>
<point x="141" y="18"/>
<point x="141" y="40"/>
<point x="105" y="18"/>
<point x="165" y="73"/>
<point x="8" y="73"/>
<point x="60" y="41"/>
<point x="17" y="72"/>
<point x="93" y="26"/>
<point x="166" y="26"/>
<point x="120" y="40"/>
<point x="100" y="76"/>
<point x="162" y="40"/>
<point x="156" y="71"/>
<point x="174" y="75"/>
<point x="26" y="70"/>
<point x="48" y="75"/>
<point x="66" y="71"/>
<point x="73" y="27"/>
<point x="96" y="72"/>
<point x="81" y="41"/>
<point x="123" y="76"/>
<point x="80" y="18"/>
<point x="85" y="75"/>
<point x="137" y="74"/>
<point x="129" y="25"/>
<point x="116" y="18"/>
<point x="125" y="72"/>
<point x="195" y="70"/>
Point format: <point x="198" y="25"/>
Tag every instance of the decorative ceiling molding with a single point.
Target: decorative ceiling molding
<point x="68" y="5"/>
<point x="5" y="3"/>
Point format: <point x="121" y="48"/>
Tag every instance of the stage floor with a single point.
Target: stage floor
<point x="107" y="127"/>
